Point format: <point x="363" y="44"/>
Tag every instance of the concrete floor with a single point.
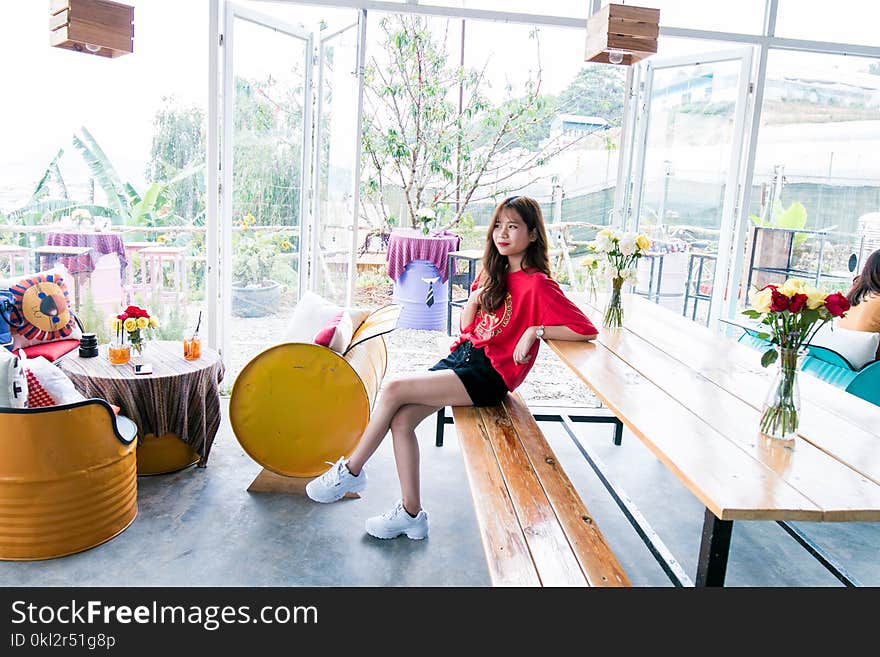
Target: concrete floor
<point x="199" y="527"/>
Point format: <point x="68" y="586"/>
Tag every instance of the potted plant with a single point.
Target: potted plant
<point x="254" y="293"/>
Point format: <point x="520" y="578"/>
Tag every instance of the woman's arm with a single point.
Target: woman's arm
<point x="524" y="346"/>
<point x="564" y="333"/>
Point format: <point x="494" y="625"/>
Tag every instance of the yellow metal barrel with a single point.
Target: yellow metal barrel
<point x="296" y="406"/>
<point x="67" y="480"/>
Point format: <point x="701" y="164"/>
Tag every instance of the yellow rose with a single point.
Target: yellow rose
<point x="815" y="298"/>
<point x="153" y="323"/>
<point x="590" y="262"/>
<point x="605" y="232"/>
<point x="760" y="300"/>
<point x="285" y="244"/>
<point x="143" y="322"/>
<point x="115" y="323"/>
<point x="792" y="286"/>
<point x="643" y="242"/>
<point x="130" y="324"/>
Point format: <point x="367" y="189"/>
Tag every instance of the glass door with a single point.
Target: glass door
<point x="337" y="163"/>
<point x="266" y="162"/>
<point x="687" y="151"/>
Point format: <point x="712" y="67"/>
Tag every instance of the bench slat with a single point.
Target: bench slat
<point x="592" y="552"/>
<point x="507" y="554"/>
<point x="551" y="553"/>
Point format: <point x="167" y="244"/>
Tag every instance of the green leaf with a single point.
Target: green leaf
<point x="769" y="357"/>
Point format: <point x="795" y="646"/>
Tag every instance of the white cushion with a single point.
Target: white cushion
<point x="858" y="347"/>
<point x="313" y="313"/>
<point x="13" y="381"/>
<point x="54" y="383"/>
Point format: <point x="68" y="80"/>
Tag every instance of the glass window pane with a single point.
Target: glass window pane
<point x="817" y="166"/>
<point x="743" y="16"/>
<point x="568" y="8"/>
<point x="844" y="21"/>
<point x="139" y="120"/>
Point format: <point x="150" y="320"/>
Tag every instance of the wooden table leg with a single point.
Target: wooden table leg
<point x="714" y="549"/>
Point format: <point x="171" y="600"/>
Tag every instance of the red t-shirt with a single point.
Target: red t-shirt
<point x="533" y="299"/>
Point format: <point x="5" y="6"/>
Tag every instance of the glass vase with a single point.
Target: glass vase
<point x="781" y="413"/>
<point x="614" y="309"/>
<point x="138" y="347"/>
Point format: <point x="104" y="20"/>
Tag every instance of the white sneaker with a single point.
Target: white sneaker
<point x="397" y="521"/>
<point x="336" y="482"/>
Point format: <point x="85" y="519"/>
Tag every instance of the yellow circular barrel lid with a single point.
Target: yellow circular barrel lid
<point x="296" y="406"/>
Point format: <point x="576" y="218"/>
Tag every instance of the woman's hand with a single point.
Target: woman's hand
<point x="474" y="297"/>
<point x="521" y="354"/>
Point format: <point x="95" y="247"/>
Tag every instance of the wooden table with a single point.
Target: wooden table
<point x="693" y="397"/>
<point x="180" y="399"/>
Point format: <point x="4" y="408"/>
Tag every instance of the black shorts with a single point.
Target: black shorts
<point x="483" y="383"/>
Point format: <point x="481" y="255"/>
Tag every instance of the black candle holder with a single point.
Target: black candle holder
<point x="88" y="345"/>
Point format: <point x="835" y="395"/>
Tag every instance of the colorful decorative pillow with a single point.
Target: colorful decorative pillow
<point x="48" y="385"/>
<point x="336" y="333"/>
<point x="318" y="321"/>
<point x="43" y="301"/>
<point x="858" y="347"/>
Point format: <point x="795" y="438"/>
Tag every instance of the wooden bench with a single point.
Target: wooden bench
<point x="535" y="529"/>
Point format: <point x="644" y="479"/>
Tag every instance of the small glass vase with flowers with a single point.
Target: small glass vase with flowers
<point x="621" y="254"/>
<point x="793" y="313"/>
<point x="132" y="327"/>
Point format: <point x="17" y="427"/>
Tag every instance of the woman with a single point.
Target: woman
<point x="513" y="303"/>
<point x="864" y="299"/>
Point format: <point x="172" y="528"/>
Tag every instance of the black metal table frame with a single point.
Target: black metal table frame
<point x="716" y="534"/>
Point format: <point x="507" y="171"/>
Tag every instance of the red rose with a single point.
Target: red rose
<point x="778" y="301"/>
<point x="798" y="301"/>
<point x="122" y="316"/>
<point x="837" y="304"/>
<point x="772" y="287"/>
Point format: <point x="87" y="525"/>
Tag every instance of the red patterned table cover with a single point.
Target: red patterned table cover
<point x="100" y="243"/>
<point x="408" y="244"/>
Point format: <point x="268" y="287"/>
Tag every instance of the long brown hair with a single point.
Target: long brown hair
<point x="495" y="266"/>
<point x="868" y="282"/>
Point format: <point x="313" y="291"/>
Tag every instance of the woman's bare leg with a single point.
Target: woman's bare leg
<point x="406" y="452"/>
<point x="442" y="388"/>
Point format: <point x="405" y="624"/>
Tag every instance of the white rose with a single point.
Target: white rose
<point x="628" y="244"/>
<point x="610" y="272"/>
<point x="425" y="212"/>
<point x="631" y="276"/>
<point x="604" y="243"/>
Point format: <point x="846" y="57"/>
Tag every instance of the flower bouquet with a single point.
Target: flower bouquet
<point x="622" y="252"/>
<point x="133" y="323"/>
<point x="793" y="312"/>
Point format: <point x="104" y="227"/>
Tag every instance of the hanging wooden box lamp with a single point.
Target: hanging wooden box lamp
<point x="96" y="27"/>
<point x="622" y="34"/>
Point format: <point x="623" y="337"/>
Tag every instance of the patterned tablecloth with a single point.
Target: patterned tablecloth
<point x="407" y="244"/>
<point x="180" y="396"/>
<point x="100" y="243"/>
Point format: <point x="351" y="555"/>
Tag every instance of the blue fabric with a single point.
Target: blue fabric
<point x="9" y="316"/>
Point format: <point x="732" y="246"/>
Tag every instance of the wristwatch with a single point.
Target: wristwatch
<point x="540" y="332"/>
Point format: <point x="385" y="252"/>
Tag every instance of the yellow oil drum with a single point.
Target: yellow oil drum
<point x="296" y="406"/>
<point x="164" y="454"/>
<point x="68" y="479"/>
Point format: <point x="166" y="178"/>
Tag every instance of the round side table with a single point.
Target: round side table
<point x="176" y="408"/>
